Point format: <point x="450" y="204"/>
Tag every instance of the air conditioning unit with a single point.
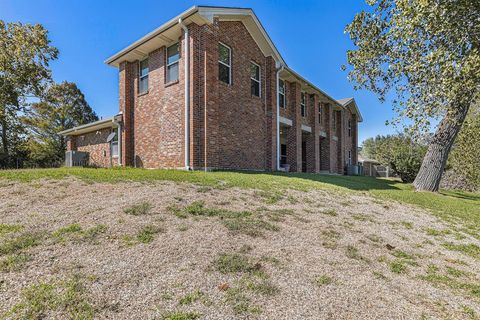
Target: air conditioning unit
<point x="353" y="170"/>
<point x="76" y="158"/>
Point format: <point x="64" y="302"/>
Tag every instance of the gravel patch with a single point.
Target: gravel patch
<point x="352" y="239"/>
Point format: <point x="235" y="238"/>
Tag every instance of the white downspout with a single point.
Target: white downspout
<point x="187" y="93"/>
<point x="278" y="118"/>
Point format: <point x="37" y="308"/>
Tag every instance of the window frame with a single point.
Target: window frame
<point x="168" y="65"/>
<point x="115" y="141"/>
<point x="284" y="96"/>
<point x="320" y="105"/>
<point x="303" y="104"/>
<point x="228" y="66"/>
<point x="349" y="157"/>
<point x="140" y="77"/>
<point x="349" y="124"/>
<point x="259" y="81"/>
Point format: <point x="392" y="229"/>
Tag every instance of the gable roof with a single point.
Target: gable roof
<point x="169" y="32"/>
<point x="350" y="102"/>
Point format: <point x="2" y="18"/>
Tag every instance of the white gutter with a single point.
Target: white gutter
<point x="187" y="93"/>
<point x="278" y="118"/>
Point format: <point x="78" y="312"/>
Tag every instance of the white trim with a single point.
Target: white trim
<point x="335" y="138"/>
<point x="90" y="127"/>
<point x="322" y="134"/>
<point x="140" y="77"/>
<point x="306" y="128"/>
<point x="171" y="64"/>
<point x="286" y="121"/>
<point x="283" y="94"/>
<point x="303" y="103"/>
<point x="259" y="81"/>
<point x="229" y="61"/>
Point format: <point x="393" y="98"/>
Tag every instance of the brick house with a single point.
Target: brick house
<point x="209" y="90"/>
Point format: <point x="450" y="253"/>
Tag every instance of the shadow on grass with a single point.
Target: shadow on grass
<point x="461" y="195"/>
<point x="357" y="183"/>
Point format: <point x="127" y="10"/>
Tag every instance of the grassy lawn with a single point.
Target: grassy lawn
<point x="455" y="207"/>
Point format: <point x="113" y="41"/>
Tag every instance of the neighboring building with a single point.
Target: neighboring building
<point x="227" y="100"/>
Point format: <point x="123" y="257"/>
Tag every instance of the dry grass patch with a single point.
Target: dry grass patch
<point x="140" y="209"/>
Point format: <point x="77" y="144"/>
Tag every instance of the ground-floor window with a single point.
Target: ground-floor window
<point x="283" y="154"/>
<point x="113" y="139"/>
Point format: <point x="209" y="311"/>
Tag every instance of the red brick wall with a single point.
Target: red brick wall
<point x="95" y="143"/>
<point x="229" y="128"/>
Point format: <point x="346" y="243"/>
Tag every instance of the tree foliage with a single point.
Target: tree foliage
<point x="427" y="53"/>
<point x="464" y="159"/>
<point x="400" y="152"/>
<point x="25" y="53"/>
<point x="62" y="107"/>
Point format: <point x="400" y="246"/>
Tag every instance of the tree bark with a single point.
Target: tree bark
<point x="433" y="164"/>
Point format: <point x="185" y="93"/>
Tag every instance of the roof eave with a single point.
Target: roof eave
<point x="100" y="124"/>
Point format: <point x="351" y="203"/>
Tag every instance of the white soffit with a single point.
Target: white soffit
<point x="171" y="31"/>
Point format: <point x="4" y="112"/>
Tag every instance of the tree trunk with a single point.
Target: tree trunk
<point x="430" y="174"/>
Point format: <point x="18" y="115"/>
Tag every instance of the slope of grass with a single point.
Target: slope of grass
<point x="455" y="207"/>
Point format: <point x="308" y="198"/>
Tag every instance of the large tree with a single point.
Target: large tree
<point x="62" y="107"/>
<point x="427" y="52"/>
<point x="25" y="53"/>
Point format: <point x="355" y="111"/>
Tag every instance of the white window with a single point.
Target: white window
<point x="113" y="139"/>
<point x="224" y="63"/>
<point x="173" y="55"/>
<point x="320" y="112"/>
<point x="281" y="94"/>
<point x="349" y="157"/>
<point x="303" y="106"/>
<point x="349" y="128"/>
<point x="255" y="79"/>
<point x="143" y="79"/>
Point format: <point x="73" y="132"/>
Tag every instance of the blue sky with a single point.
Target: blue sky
<point x="309" y="35"/>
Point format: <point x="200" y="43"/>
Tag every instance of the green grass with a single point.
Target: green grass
<point x="323" y="280"/>
<point x="13" y="262"/>
<point x="139" y="209"/>
<point x="67" y="296"/>
<point x="471" y="249"/>
<point x="191" y="297"/>
<point x="22" y="242"/>
<point x="233" y="263"/>
<point x="75" y="232"/>
<point x="471" y="288"/>
<point x="9" y="228"/>
<point x="457" y="207"/>
<point x="145" y="235"/>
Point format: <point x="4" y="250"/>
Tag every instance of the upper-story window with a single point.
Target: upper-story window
<point x="281" y="94"/>
<point x="143" y="79"/>
<point x="224" y="63"/>
<point x="303" y="106"/>
<point x="320" y="112"/>
<point x="255" y="79"/>
<point x="173" y="55"/>
<point x="349" y="124"/>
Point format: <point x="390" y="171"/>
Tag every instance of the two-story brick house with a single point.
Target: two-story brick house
<point x="209" y="90"/>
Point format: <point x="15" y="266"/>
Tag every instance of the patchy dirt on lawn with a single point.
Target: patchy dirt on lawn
<point x="71" y="249"/>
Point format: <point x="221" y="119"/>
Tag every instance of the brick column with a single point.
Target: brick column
<point x="354" y="139"/>
<point x="341" y="142"/>
<point x="312" y="139"/>
<point x="271" y="115"/>
<point x="71" y="143"/>
<point x="294" y="134"/>
<point x="127" y="74"/>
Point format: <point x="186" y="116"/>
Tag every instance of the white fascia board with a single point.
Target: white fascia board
<point x="306" y="128"/>
<point x="286" y="121"/>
